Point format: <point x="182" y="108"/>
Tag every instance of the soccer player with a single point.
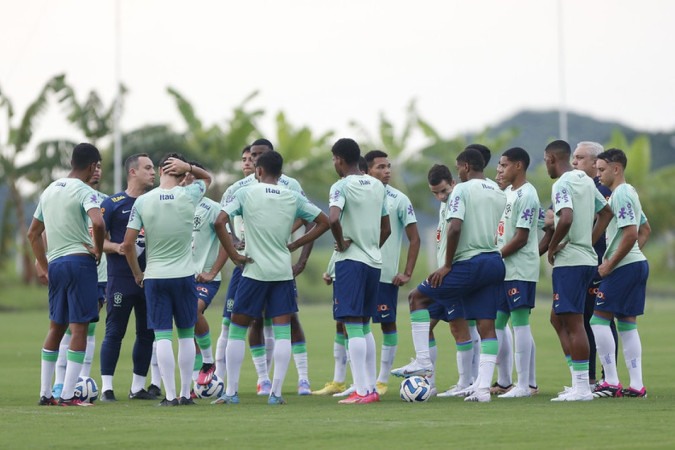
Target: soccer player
<point x="359" y="223"/>
<point x="402" y="220"/>
<point x="167" y="215"/>
<point x="69" y="266"/>
<point x="209" y="258"/>
<point x="584" y="158"/>
<point x="266" y="286"/>
<point x="519" y="244"/>
<point x="472" y="273"/>
<point x="575" y="201"/>
<point x="624" y="271"/>
<point x="123" y="294"/>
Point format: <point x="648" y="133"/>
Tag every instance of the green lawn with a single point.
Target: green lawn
<point x="319" y="422"/>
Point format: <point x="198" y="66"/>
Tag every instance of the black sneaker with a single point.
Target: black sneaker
<point x="155" y="390"/>
<point x="141" y="395"/>
<point x="166" y="402"/>
<point x="630" y="392"/>
<point x="108" y="396"/>
<point x="606" y="390"/>
<point x="186" y="401"/>
<point x="44" y="401"/>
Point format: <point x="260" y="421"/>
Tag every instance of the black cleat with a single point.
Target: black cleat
<point x="108" y="396"/>
<point x="166" y="402"/>
<point x="186" y="401"/>
<point x="155" y="390"/>
<point x="44" y="401"/>
<point x="74" y="401"/>
<point x="141" y="395"/>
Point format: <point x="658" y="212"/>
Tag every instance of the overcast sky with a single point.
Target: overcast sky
<point x="468" y="63"/>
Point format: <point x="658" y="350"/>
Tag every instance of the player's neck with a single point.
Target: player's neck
<point x="518" y="183"/>
<point x="473" y="175"/>
<point x="80" y="175"/>
<point x="134" y="190"/>
<point x="618" y="181"/>
<point x="354" y="170"/>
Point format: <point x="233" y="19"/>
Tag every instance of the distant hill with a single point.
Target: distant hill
<point x="538" y="128"/>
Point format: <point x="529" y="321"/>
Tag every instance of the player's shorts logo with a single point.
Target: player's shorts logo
<point x="382" y="308"/>
<point x="230" y="304"/>
<point x="513" y="291"/>
<point x="117" y="298"/>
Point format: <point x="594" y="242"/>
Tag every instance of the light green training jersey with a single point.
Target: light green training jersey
<point x="401" y="214"/>
<point x="102" y="268"/>
<point x="522" y="210"/>
<point x="479" y="205"/>
<point x="362" y="201"/>
<point x="272" y="209"/>
<point x="205" y="243"/>
<point x="63" y="209"/>
<point x="167" y="217"/>
<point x="577" y="191"/>
<point x="627" y="209"/>
<point x="442" y="233"/>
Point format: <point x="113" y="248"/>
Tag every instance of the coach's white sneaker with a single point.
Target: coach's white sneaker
<point x="516" y="392"/>
<point x="412" y="369"/>
<point x="479" y="395"/>
<point x="455" y="391"/>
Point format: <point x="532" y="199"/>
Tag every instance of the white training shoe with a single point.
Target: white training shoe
<point x="433" y="392"/>
<point x="573" y="396"/>
<point x="412" y="369"/>
<point x="516" y="392"/>
<point x="479" y="395"/>
<point x="454" y="391"/>
<point x="347" y="392"/>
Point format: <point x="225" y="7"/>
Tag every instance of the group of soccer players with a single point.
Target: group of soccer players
<point x="167" y="246"/>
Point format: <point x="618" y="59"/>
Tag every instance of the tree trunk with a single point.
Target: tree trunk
<point x="25" y="253"/>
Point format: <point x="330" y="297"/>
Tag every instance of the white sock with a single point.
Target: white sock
<point x="88" y="356"/>
<point x="60" y="369"/>
<point x="106" y="383"/>
<point x="523" y="346"/>
<point x="340" y="369"/>
<point x="137" y="383"/>
<point x="301" y="364"/>
<point x="268" y="333"/>
<point x="580" y="381"/>
<point x="155" y="374"/>
<point x="72" y="373"/>
<point x="420" y="334"/>
<point x="475" y="361"/>
<point x="186" y="362"/>
<point x="486" y="370"/>
<point x="371" y="361"/>
<point x="632" y="352"/>
<point x="221" y="344"/>
<point x="46" y="375"/>
<point x="465" y="366"/>
<point x="167" y="367"/>
<point x="604" y="342"/>
<point x="433" y="355"/>
<point x="533" y="365"/>
<point x="207" y="354"/>
<point x="260" y="364"/>
<point x="234" y="356"/>
<point x="282" y="357"/>
<point x="357" y="356"/>
<point x="386" y="362"/>
<point x="505" y="357"/>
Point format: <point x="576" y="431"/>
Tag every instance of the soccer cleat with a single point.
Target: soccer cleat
<point x="274" y="400"/>
<point x="206" y="373"/>
<point x="108" y="396"/>
<point x="573" y="396"/>
<point x="264" y="388"/>
<point x="229" y="399"/>
<point x="455" y="391"/>
<point x="516" y="392"/>
<point x="186" y="401"/>
<point x="56" y="390"/>
<point x="606" y="390"/>
<point x="412" y="369"/>
<point x="381" y="388"/>
<point x="347" y="392"/>
<point x="371" y="397"/>
<point x="330" y="388"/>
<point x="155" y="390"/>
<point x="193" y="394"/>
<point x="303" y="388"/>
<point x="141" y="395"/>
<point x="51" y="401"/>
<point x="497" y="389"/>
<point x="166" y="402"/>
<point x="74" y="401"/>
<point x="479" y="395"/>
<point x="630" y="392"/>
<point x="534" y="390"/>
<point x="353" y="398"/>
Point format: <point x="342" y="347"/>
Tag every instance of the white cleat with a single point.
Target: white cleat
<point x="516" y="392"/>
<point x="455" y="391"/>
<point x="413" y="369"/>
<point x="347" y="392"/>
<point x="479" y="395"/>
<point x="573" y="396"/>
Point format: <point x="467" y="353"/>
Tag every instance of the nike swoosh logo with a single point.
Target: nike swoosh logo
<point x="124" y="211"/>
<point x="451" y="311"/>
<point x="385" y="315"/>
<point x="600" y="303"/>
<point x="595" y="283"/>
<point x="516" y="299"/>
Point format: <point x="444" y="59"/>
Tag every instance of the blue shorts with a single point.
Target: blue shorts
<point x="570" y="284"/>
<point x="355" y="290"/>
<point x="623" y="291"/>
<point x="73" y="290"/>
<point x="592" y="291"/>
<point x="446" y="314"/>
<point x="231" y="291"/>
<point x="264" y="298"/>
<point x="206" y="291"/>
<point x="387" y="298"/>
<point x="168" y="299"/>
<point x="475" y="284"/>
<point x="517" y="294"/>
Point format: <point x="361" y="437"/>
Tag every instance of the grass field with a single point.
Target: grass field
<point x="319" y="422"/>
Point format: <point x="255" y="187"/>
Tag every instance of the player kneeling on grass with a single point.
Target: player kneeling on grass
<point x="266" y="286"/>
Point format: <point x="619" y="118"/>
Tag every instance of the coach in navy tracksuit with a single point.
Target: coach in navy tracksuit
<point x="123" y="294"/>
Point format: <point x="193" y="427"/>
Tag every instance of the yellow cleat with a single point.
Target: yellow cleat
<point x="381" y="388"/>
<point x="332" y="387"/>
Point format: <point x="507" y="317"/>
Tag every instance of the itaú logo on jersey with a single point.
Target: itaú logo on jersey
<point x="500" y="228"/>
